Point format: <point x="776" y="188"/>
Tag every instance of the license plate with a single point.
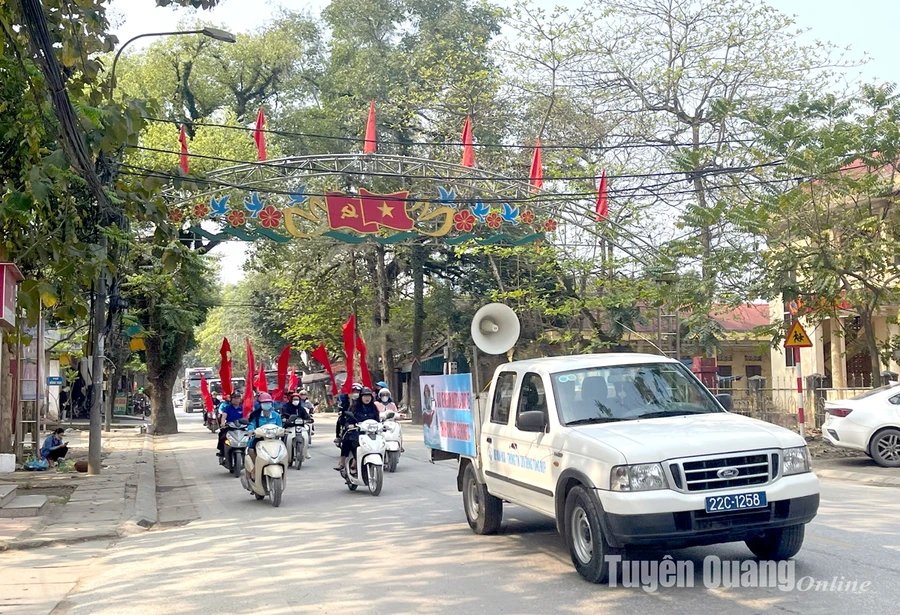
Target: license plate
<point x="740" y="501"/>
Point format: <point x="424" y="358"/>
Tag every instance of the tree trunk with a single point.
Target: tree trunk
<point x="162" y="411"/>
<point x="417" y="267"/>
<point x="6" y="397"/>
<point x="866" y="316"/>
<point x="383" y="303"/>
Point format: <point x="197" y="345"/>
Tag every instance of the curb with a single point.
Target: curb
<point x="858" y="477"/>
<point x="144" y="515"/>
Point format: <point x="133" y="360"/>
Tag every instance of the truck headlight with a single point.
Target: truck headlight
<point x="794" y="461"/>
<point x="640" y="477"/>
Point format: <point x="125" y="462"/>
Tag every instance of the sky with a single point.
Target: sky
<point x="866" y="27"/>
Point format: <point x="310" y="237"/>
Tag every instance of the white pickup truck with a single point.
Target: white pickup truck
<point x="632" y="450"/>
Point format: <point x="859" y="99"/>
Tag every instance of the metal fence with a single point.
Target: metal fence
<point x="776" y="401"/>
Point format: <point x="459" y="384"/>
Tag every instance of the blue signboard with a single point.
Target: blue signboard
<point x="447" y="417"/>
<point x="54" y="380"/>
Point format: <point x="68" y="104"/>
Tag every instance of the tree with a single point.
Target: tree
<point x="833" y="239"/>
<point x="169" y="292"/>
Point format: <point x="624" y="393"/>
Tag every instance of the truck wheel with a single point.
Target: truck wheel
<point x="484" y="512"/>
<point x="885" y="448"/>
<point x="584" y="537"/>
<point x="779" y="544"/>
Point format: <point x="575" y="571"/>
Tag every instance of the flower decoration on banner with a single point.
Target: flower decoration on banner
<point x="236" y="217"/>
<point x="219" y="207"/>
<point x="447" y="196"/>
<point x="527" y="216"/>
<point x="254" y="205"/>
<point x="298" y="196"/>
<point x="270" y="217"/>
<point x="510" y="213"/>
<point x="481" y="211"/>
<point x="176" y="215"/>
<point x="494" y="220"/>
<point x="550" y="225"/>
<point x="201" y="210"/>
<point x="464" y="221"/>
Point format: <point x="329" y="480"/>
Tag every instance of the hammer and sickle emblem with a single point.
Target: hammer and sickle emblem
<point x="349" y="211"/>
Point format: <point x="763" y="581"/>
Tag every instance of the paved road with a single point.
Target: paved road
<point x="327" y="550"/>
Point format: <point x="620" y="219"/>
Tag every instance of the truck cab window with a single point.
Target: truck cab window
<point x="532" y="397"/>
<point x="503" y="394"/>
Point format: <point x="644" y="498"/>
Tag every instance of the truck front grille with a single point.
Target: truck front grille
<point x="725" y="472"/>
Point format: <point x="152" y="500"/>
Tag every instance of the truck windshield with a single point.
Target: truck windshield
<point x="629" y="392"/>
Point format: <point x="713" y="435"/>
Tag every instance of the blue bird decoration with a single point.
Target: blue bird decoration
<point x="298" y="196"/>
<point x="219" y="207"/>
<point x="510" y="213"/>
<point x="481" y="211"/>
<point x="254" y="206"/>
<point x="447" y="196"/>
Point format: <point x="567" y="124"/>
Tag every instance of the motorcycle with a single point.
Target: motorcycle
<point x="366" y="464"/>
<point x="210" y="420"/>
<point x="297" y="441"/>
<point x="266" y="474"/>
<point x="393" y="437"/>
<point x="235" y="451"/>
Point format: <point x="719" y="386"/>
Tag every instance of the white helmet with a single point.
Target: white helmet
<point x="384" y="393"/>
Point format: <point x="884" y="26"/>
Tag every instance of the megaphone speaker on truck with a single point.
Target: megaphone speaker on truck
<point x="495" y="328"/>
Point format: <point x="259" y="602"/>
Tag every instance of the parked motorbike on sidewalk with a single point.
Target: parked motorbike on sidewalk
<point x="366" y="464"/>
<point x="265" y="475"/>
<point x="236" y="438"/>
<point x="393" y="437"/>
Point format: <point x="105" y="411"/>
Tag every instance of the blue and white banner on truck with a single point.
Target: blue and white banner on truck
<point x="447" y="416"/>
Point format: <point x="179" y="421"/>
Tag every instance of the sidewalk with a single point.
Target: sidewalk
<point x="120" y="501"/>
<point x="856" y="469"/>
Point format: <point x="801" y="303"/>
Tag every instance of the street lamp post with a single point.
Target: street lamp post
<point x="100" y="292"/>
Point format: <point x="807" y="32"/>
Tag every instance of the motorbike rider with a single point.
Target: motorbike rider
<point x="386" y="403"/>
<point x="266" y="415"/>
<point x="229" y="411"/>
<point x="346" y="403"/>
<point x="296" y="406"/>
<point x="363" y="410"/>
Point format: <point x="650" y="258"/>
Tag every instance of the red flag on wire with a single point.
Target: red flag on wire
<point x="293" y="382"/>
<point x="248" y="389"/>
<point x="262" y="383"/>
<point x="182" y="138"/>
<point x="321" y="355"/>
<point x="602" y="209"/>
<point x="259" y="136"/>
<point x="283" y="360"/>
<point x="468" y="147"/>
<point x="363" y="362"/>
<point x="204" y="391"/>
<point x="225" y="369"/>
<point x="371" y="145"/>
<point x="537" y="168"/>
<point x="349" y="329"/>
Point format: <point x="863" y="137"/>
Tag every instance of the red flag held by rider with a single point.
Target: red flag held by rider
<point x="248" y="390"/>
<point x="321" y="355"/>
<point x="349" y="329"/>
<point x="293" y="382"/>
<point x="363" y="363"/>
<point x="262" y="383"/>
<point x="204" y="391"/>
<point x="283" y="360"/>
<point x="225" y="369"/>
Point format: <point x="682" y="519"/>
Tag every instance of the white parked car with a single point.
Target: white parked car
<point x="869" y="422"/>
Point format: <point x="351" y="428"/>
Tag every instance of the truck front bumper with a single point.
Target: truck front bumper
<point x="791" y="501"/>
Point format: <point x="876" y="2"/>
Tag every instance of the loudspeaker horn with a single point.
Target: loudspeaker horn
<point x="495" y="328"/>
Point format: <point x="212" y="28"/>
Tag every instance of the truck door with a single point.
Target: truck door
<point x="496" y="438"/>
<point x="532" y="469"/>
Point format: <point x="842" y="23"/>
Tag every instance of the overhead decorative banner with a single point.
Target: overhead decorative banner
<point x="367" y="216"/>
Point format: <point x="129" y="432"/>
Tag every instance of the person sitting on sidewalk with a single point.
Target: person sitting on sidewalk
<point x="54" y="448"/>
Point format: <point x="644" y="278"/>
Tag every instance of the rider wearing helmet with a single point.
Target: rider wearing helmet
<point x="363" y="410"/>
<point x="347" y="403"/>
<point x="266" y="415"/>
<point x="385" y="402"/>
<point x="297" y="405"/>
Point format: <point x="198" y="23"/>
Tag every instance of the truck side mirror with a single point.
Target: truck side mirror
<point x="726" y="400"/>
<point x="532" y="420"/>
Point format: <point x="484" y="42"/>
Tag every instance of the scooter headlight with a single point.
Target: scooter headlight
<point x="266" y="454"/>
<point x="372" y="429"/>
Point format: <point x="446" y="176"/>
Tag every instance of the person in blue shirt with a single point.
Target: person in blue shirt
<point x="229" y="411"/>
<point x="54" y="448"/>
<point x="266" y="415"/>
